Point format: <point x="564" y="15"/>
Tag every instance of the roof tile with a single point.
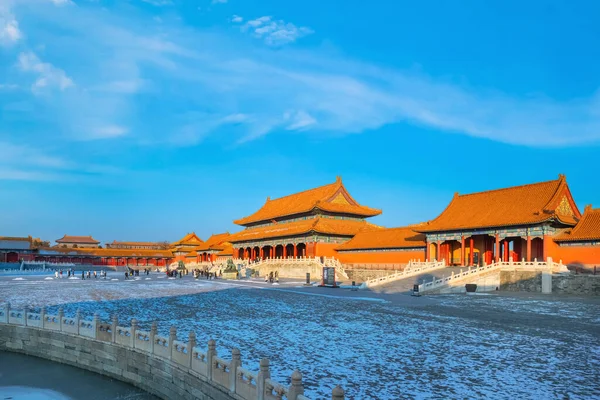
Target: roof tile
<point x="333" y="198"/>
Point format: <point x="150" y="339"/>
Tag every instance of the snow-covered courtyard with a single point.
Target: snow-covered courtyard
<point x="375" y="346"/>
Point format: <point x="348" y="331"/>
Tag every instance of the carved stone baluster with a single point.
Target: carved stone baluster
<point x="172" y="339"/>
<point x="263" y="375"/>
<point x="78" y="319"/>
<point x="61" y="315"/>
<point x="114" y="327"/>
<point x="133" y="332"/>
<point x="210" y="355"/>
<point x="337" y="393"/>
<point x="153" y="331"/>
<point x="296" y="387"/>
<point x="190" y="347"/>
<point x="236" y="361"/>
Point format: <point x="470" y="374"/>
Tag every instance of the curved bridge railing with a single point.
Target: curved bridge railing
<point x="164" y="366"/>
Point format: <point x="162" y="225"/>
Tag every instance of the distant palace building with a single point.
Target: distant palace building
<point x="529" y="222"/>
<point x="78" y="242"/>
<point x="306" y="224"/>
<point x="134" y="245"/>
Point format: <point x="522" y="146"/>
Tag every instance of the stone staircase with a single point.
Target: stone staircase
<point x="474" y="275"/>
<point x="414" y="268"/>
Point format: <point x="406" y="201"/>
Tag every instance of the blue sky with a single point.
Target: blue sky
<point x="148" y="119"/>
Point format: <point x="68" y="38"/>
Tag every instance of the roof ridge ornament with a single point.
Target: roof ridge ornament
<point x="338" y="179"/>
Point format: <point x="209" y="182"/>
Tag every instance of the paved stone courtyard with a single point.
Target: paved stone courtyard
<point x="377" y="346"/>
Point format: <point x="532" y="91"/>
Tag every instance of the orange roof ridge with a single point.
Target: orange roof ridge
<point x="388" y="238"/>
<point x="456" y="194"/>
<point x="511" y="206"/>
<point x="588" y="227"/>
<point x="321" y="197"/>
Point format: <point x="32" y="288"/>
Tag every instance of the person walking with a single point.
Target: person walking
<point x="82" y="275"/>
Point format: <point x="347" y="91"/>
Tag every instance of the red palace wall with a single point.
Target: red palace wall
<point x="381" y="257"/>
<point x="589" y="255"/>
<point x="326" y="249"/>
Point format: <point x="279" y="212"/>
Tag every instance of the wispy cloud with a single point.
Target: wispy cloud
<point x="274" y="32"/>
<point x="107" y="132"/>
<point x="155" y="84"/>
<point x="48" y="76"/>
<point x="159" y="3"/>
<point x="237" y="19"/>
<point x="61" y="2"/>
<point x="9" y="26"/>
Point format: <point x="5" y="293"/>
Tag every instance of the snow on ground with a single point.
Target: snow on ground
<point x="453" y="347"/>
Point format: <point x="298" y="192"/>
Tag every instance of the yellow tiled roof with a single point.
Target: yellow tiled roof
<point x="397" y="238"/>
<point x="588" y="228"/>
<point x="333" y="198"/>
<point x="341" y="227"/>
<point x="518" y="205"/>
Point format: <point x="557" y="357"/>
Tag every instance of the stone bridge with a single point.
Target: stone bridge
<point x="164" y="366"/>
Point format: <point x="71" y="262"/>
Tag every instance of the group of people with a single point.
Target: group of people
<point x="58" y="274"/>
<point x="206" y="274"/>
<point x="135" y="272"/>
<point x="273" y="277"/>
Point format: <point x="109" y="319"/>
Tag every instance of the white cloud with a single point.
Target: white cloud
<point x="48" y="76"/>
<point x="299" y="120"/>
<point x="275" y="33"/>
<point x="27" y="156"/>
<point x="9" y="27"/>
<point x="61" y="2"/>
<point x="247" y="92"/>
<point x="8" y="86"/>
<point x="237" y="19"/>
<point x="107" y="132"/>
<point x="159" y="3"/>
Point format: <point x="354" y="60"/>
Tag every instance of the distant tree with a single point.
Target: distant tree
<point x="99" y="246"/>
<point x="74" y="246"/>
<point x="164" y="245"/>
<point x="37" y="243"/>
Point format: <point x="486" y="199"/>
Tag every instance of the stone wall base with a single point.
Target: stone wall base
<point x="157" y="376"/>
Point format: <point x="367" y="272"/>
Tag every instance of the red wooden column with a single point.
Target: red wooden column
<point x="506" y="249"/>
<point x="284" y="251"/>
<point x="273" y="252"/>
<point x="438" y="253"/>
<point x="528" y="248"/>
<point x="295" y="250"/>
<point x="428" y="251"/>
<point x="547" y="239"/>
<point x="471" y="250"/>
<point x="462" y="251"/>
<point x="497" y="252"/>
<point x="261" y="251"/>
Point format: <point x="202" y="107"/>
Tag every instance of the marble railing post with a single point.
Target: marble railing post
<point x="172" y="339"/>
<point x="236" y="361"/>
<point x="61" y="314"/>
<point x="78" y="319"/>
<point x="190" y="347"/>
<point x="25" y="316"/>
<point x="153" y="331"/>
<point x="210" y="355"/>
<point x="6" y="312"/>
<point x="133" y="332"/>
<point x="337" y="393"/>
<point x="96" y="321"/>
<point x="296" y="387"/>
<point x="263" y="375"/>
<point x="115" y="324"/>
<point x="42" y="316"/>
